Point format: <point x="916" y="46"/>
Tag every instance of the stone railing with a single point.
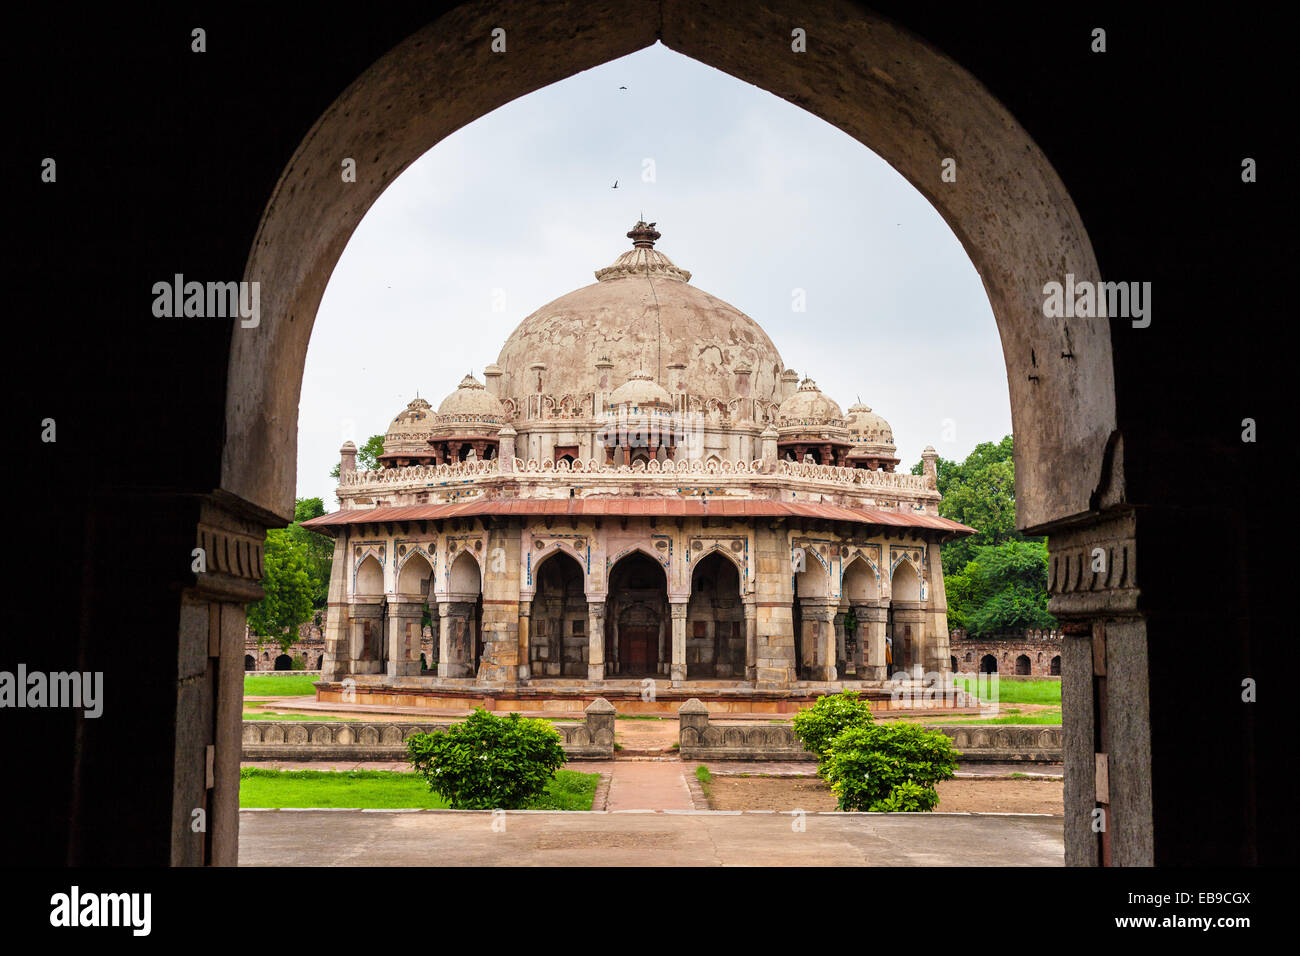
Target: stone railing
<point x="386" y="740"/>
<point x="703" y="739"/>
<point x="423" y="475"/>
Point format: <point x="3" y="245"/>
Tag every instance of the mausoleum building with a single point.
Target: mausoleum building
<point x="637" y="488"/>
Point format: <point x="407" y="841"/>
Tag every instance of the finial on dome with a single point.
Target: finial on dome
<point x="643" y="235"/>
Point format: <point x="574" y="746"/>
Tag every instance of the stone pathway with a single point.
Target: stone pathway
<point x="541" y="838"/>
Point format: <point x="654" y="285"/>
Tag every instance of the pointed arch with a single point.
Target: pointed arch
<point x="415" y="574"/>
<point x="905" y="584"/>
<point x="859" y="581"/>
<point x="368" y="578"/>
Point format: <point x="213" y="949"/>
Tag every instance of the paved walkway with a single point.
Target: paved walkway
<point x="540" y="838"/>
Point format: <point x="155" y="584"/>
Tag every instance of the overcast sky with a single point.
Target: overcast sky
<point x="754" y="196"/>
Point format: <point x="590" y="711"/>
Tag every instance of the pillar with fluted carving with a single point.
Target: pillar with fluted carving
<point x="444" y="639"/>
<point x="677" y="672"/>
<point x="596" y="640"/>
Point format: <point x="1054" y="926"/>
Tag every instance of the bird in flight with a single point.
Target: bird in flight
<point x="615" y="186"/>
<point x="622" y="87"/>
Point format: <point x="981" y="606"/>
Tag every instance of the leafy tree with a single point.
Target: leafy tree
<point x="488" y="761"/>
<point x="288" y="591"/>
<point x="367" y="455"/>
<point x="979" y="492"/>
<point x="828" y="717"/>
<point x="317" y="550"/>
<point x="1004" y="587"/>
<point x="889" y="767"/>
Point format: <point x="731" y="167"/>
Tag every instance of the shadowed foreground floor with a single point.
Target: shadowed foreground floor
<point x="644" y="838"/>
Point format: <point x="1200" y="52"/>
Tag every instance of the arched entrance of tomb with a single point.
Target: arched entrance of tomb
<point x="872" y="79"/>
<point x="715" y="621"/>
<point x="1055" y="668"/>
<point x="250" y="663"/>
<point x="908" y="627"/>
<point x="1022" y="665"/>
<point x="865" y="643"/>
<point x="813" y="611"/>
<point x="460" y="618"/>
<point x="558" y="638"/>
<point x="638" y="625"/>
<point x="284" y="662"/>
<point x="407" y="609"/>
<point x="988" y="664"/>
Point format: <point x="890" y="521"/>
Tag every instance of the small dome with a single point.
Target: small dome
<point x="641" y="389"/>
<point x="410" y="431"/>
<point x="471" y="402"/>
<point x="868" y="431"/>
<point x="808" y="406"/>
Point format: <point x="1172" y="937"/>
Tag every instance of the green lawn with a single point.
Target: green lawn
<point x="1019" y="691"/>
<point x="384" y="790"/>
<point x="271" y="715"/>
<point x="283" y="684"/>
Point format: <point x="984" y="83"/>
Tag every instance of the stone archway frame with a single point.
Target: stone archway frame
<point x="872" y="79"/>
<point x="742" y="569"/>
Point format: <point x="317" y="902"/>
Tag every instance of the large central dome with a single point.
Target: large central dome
<point x="644" y="317"/>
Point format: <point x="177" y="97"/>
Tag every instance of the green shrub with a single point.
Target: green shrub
<point x="299" y="663"/>
<point x="888" y="767"/>
<point x="488" y="761"/>
<point x="830" y="716"/>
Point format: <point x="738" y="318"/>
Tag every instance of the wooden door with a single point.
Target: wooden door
<point x="638" y="648"/>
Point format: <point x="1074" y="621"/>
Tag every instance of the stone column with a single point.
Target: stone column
<point x="596" y="640"/>
<point x="751" y="640"/>
<point x="774" y="645"/>
<point x="444" y="638"/>
<point x="336" y="615"/>
<point x="525" y="652"/>
<point x="367" y="655"/>
<point x="871" y="642"/>
<point x="404" y="615"/>
<point x="677" y="672"/>
<point x="913" y="618"/>
<point x="817" y="617"/>
<point x="841" y="654"/>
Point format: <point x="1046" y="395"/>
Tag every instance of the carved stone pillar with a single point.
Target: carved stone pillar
<point x="525" y="620"/>
<point x="336" y="616"/>
<point x="819" y="636"/>
<point x="871" y="642"/>
<point x="444" y="639"/>
<point x="596" y="640"/>
<point x="677" y="672"/>
<point x="1105" y="691"/>
<point x="404" y="616"/>
<point x="841" y="653"/>
<point x="367" y="649"/>
<point x="751" y="640"/>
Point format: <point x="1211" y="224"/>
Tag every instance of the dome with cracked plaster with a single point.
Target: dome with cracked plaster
<point x="808" y="406"/>
<point x="868" y="431"/>
<point x="410" y="431"/>
<point x="471" y="402"/>
<point x="645" y="316"/>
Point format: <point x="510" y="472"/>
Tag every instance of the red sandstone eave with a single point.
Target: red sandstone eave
<point x="640" y="507"/>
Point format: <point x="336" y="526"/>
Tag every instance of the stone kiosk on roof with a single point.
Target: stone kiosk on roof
<point x="638" y="489"/>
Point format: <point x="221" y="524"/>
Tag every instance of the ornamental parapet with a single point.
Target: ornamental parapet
<point x="830" y="477"/>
